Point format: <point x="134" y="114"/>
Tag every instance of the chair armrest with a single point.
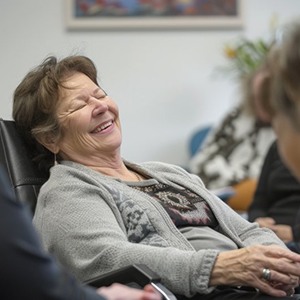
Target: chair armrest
<point x="136" y="276"/>
<point x="166" y="293"/>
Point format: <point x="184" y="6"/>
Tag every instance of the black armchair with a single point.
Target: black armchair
<point x="24" y="176"/>
<point x="26" y="180"/>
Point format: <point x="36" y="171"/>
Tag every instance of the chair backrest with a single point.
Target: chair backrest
<point x="24" y="175"/>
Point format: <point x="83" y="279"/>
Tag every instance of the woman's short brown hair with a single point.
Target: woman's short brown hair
<point x="36" y="98"/>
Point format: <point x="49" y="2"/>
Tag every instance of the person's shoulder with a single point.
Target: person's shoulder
<point x="274" y="147"/>
<point x="159" y="166"/>
<point x="64" y="175"/>
<point x="69" y="170"/>
<point x="272" y="153"/>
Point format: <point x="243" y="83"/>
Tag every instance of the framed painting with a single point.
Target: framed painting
<point x="153" y="14"/>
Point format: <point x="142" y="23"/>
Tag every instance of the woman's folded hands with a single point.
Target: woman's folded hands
<point x="272" y="269"/>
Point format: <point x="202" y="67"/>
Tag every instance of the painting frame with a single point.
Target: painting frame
<point x="171" y="22"/>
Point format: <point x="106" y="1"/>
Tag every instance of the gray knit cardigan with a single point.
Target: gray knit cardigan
<point x="94" y="224"/>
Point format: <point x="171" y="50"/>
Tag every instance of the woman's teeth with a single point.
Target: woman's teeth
<point x="102" y="127"/>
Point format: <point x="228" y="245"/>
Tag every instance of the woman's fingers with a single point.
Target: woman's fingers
<point x="275" y="258"/>
<point x="279" y="252"/>
<point x="276" y="284"/>
<point x="279" y="280"/>
<point x="280" y="274"/>
<point x="151" y="293"/>
<point x="265" y="222"/>
<point x="118" y="291"/>
<point x="284" y="269"/>
<point x="276" y="291"/>
<point x="245" y="267"/>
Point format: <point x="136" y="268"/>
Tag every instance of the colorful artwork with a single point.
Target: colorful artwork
<point x="122" y="14"/>
<point x="131" y="8"/>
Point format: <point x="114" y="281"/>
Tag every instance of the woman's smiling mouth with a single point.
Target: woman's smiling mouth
<point x="102" y="127"/>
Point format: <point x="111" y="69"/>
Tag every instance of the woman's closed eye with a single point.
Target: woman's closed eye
<point x="71" y="111"/>
<point x="100" y="94"/>
<point x="78" y="107"/>
<point x="85" y="103"/>
<point x="84" y="100"/>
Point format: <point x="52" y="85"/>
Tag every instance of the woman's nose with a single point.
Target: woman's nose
<point x="99" y="105"/>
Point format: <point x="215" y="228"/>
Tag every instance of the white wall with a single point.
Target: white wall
<point x="162" y="80"/>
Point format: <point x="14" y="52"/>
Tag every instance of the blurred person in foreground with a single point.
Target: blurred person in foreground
<point x="282" y="109"/>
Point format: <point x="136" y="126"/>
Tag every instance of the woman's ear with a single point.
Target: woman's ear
<point x="262" y="96"/>
<point x="49" y="142"/>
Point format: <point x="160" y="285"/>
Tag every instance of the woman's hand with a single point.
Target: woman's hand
<point x="118" y="291"/>
<point x="244" y="267"/>
<point x="265" y="222"/>
<point x="284" y="232"/>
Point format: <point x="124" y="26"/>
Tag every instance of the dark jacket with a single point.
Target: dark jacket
<point x="277" y="194"/>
